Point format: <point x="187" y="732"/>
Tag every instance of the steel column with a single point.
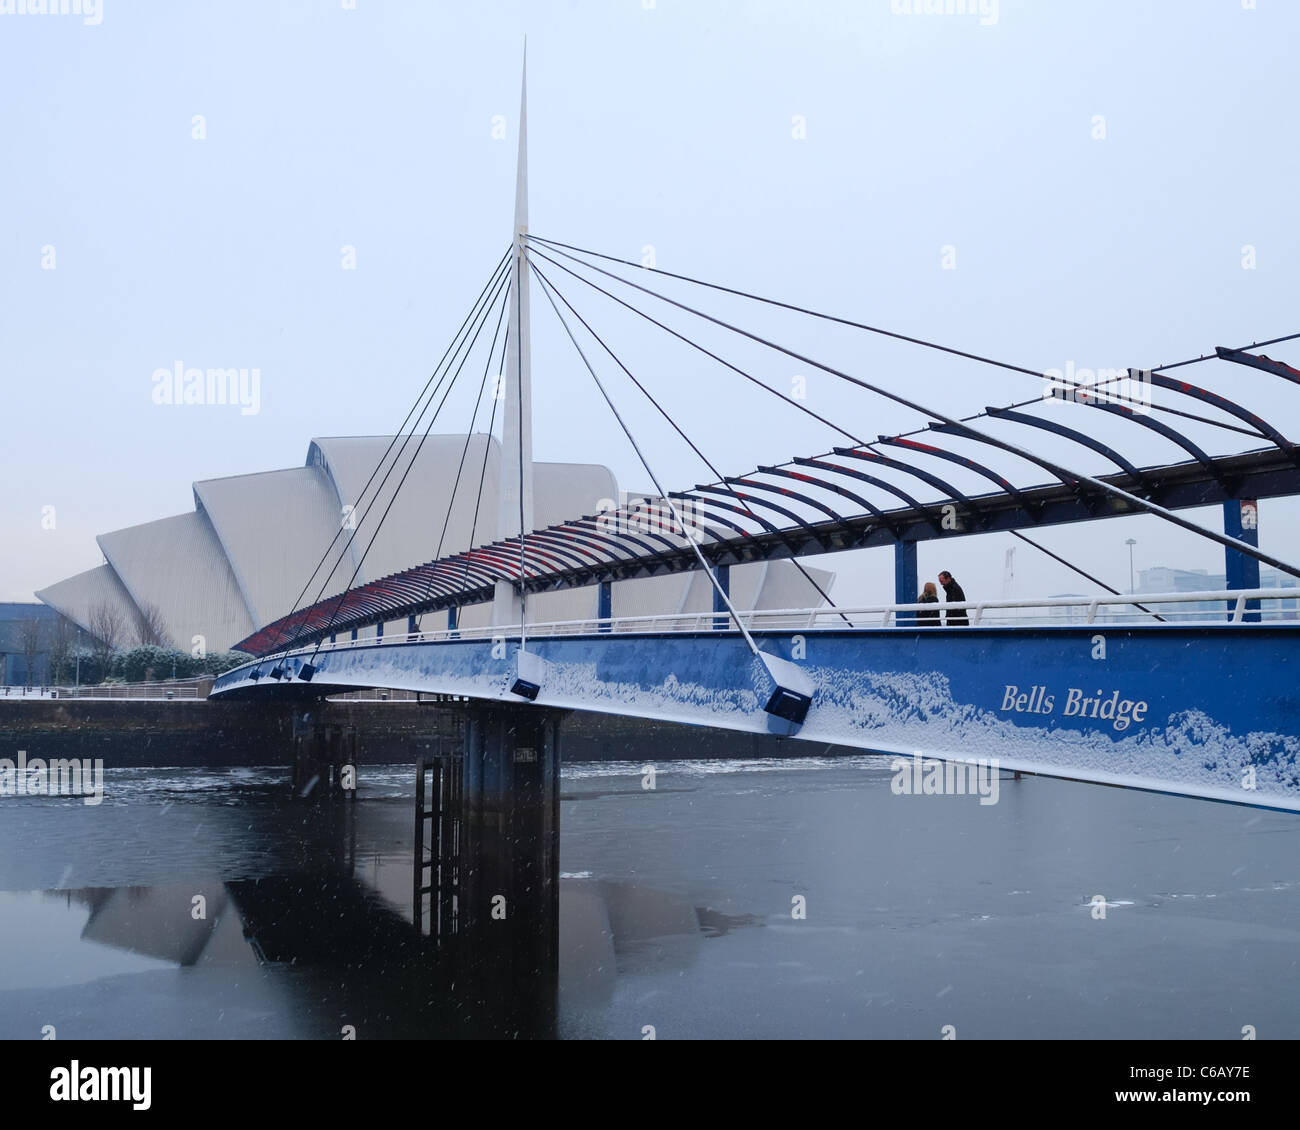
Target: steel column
<point x="1241" y="521"/>
<point x="905" y="577"/>
<point x="723" y="575"/>
<point x="605" y="604"/>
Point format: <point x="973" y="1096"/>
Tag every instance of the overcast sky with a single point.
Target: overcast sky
<point x="1095" y="184"/>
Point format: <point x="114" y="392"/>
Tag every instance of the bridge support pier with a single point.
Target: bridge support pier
<point x="510" y="856"/>
<point x="324" y="758"/>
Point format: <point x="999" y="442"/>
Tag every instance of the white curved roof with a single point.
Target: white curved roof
<point x="785" y="587"/>
<point x="273" y="529"/>
<point x="177" y="565"/>
<point x="77" y="596"/>
<point x="413" y="531"/>
<point x="242" y="558"/>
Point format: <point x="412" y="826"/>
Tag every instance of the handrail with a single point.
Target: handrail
<point x="807" y="619"/>
<point x="161" y="692"/>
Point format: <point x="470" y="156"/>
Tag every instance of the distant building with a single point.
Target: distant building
<point x="27" y="632"/>
<point x="1162" y="579"/>
<point x="244" y="555"/>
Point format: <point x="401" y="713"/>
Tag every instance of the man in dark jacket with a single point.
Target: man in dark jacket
<point x="952" y="591"/>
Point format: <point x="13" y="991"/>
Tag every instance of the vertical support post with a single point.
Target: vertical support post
<point x="453" y="615"/>
<point x="510" y="860"/>
<point x="354" y="633"/>
<point x="410" y="625"/>
<point x="906" y="583"/>
<point x="723" y="574"/>
<point x="417" y="890"/>
<point x="379" y="630"/>
<point x="515" y="500"/>
<point x="605" y="604"/>
<point x="1241" y="521"/>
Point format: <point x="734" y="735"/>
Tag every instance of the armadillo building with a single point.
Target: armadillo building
<point x="257" y="546"/>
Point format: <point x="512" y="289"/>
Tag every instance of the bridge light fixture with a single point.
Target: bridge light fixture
<point x="255" y="674"/>
<point x="530" y="673"/>
<point x="305" y="672"/>
<point x="792" y="691"/>
<point x="788" y="704"/>
<point x="276" y="672"/>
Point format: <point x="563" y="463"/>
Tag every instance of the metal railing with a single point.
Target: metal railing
<point x="1057" y="611"/>
<point x="148" y="692"/>
<point x="17" y="692"/>
<point x="377" y="695"/>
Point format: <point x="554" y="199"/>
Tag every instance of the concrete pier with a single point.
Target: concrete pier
<point x="510" y="855"/>
<point x="324" y="758"/>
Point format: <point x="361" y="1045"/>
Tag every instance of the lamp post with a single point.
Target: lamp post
<point x="1131" y="542"/>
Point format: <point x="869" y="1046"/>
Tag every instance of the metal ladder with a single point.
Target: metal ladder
<point x="438" y="837"/>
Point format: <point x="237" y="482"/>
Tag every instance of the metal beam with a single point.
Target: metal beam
<point x="1267" y="473"/>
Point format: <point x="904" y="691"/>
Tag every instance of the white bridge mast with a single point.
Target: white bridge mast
<point x="515" y="509"/>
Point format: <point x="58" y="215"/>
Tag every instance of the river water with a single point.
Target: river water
<point x="736" y="899"/>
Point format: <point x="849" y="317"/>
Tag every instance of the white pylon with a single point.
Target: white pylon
<point x="515" y="509"/>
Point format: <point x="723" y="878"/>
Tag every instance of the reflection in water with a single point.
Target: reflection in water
<point x="185" y="924"/>
<point x="346" y="956"/>
<point x="675" y="912"/>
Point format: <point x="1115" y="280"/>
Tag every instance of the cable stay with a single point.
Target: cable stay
<point x="497" y="271"/>
<point x="900" y="466"/>
<point x="469" y="435"/>
<point x="800" y="407"/>
<point x="1220" y="424"/>
<point x="944" y="418"/>
<point x="675" y="426"/>
<point x="478" y="317"/>
<point x="419" y="447"/>
<point x="677" y="517"/>
<point x="791" y="691"/>
<point x="1083" y="573"/>
<point x="797" y="309"/>
<point x="579" y="551"/>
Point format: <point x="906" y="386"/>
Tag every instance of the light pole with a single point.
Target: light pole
<point x="1131" y="587"/>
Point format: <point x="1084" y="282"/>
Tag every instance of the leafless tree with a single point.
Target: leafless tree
<point x="150" y="627"/>
<point x="105" y="623"/>
<point x="30" y="639"/>
<point x="61" y="640"/>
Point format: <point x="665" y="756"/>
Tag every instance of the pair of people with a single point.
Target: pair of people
<point x="953" y="591"/>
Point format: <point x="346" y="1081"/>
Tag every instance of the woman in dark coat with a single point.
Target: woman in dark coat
<point x="928" y="619"/>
